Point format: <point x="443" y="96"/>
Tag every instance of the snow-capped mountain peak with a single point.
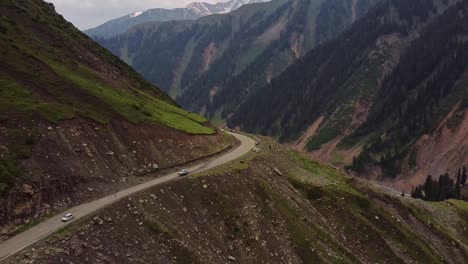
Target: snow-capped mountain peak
<point x="192" y="11"/>
<point x="222" y="7"/>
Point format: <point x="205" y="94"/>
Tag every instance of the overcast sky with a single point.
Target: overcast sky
<point x="85" y="14"/>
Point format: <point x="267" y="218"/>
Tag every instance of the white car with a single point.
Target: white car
<point x="67" y="217"/>
<point x="183" y="172"/>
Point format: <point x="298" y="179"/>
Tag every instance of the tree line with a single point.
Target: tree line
<point x="441" y="189"/>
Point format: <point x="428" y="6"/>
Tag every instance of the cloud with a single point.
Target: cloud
<point x="86" y="14"/>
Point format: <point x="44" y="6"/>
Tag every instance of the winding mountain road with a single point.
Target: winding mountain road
<point x="53" y="224"/>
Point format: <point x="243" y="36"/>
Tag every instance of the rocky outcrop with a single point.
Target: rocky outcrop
<point x="77" y="160"/>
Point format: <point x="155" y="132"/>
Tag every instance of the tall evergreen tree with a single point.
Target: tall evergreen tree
<point x="463" y="176"/>
<point x="429" y="192"/>
<point x="458" y="186"/>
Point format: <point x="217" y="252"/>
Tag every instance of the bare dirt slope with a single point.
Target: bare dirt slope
<point x="444" y="150"/>
<point x="301" y="144"/>
<point x="274" y="206"/>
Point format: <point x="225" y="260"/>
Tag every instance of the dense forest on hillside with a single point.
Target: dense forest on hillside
<point x="295" y="99"/>
<point x="411" y="100"/>
<point x="333" y="17"/>
<point x="197" y="90"/>
<point x="428" y="82"/>
<point x="213" y="64"/>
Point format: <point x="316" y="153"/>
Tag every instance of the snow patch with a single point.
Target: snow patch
<point x="136" y="14"/>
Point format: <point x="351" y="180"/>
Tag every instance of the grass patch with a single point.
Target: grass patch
<point x="335" y="178"/>
<point x="312" y="243"/>
<point x="463" y="205"/>
<point x="158" y="227"/>
<point x="137" y="106"/>
<point x="326" y="134"/>
<point x="15" y="100"/>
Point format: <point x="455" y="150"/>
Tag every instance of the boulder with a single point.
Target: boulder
<point x="27" y="189"/>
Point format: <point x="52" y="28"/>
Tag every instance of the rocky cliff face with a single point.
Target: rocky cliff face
<point x="76" y="161"/>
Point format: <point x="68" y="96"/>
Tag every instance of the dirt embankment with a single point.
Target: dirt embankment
<point x="79" y="160"/>
<point x="301" y="144"/>
<point x="273" y="207"/>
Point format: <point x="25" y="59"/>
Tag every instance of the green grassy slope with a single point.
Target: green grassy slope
<point x="51" y="70"/>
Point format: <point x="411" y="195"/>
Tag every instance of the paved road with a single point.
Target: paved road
<point x="46" y="228"/>
<point x="389" y="190"/>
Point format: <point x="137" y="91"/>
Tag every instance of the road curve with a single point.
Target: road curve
<point x="51" y="225"/>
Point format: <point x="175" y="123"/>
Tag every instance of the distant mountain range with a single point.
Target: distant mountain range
<point x="321" y="75"/>
<point x="190" y="12"/>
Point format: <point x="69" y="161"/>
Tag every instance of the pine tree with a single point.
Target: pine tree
<point x="429" y="188"/>
<point x="463" y="176"/>
<point x="458" y="186"/>
<point x="417" y="193"/>
<point x="445" y="188"/>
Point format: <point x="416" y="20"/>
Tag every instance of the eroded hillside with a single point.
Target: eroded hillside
<point x="76" y="122"/>
<point x="273" y="206"/>
<point x="368" y="99"/>
<point x="213" y="64"/>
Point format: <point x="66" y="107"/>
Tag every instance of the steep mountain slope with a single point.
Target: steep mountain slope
<point x="275" y="206"/>
<point x="215" y="62"/>
<point x="192" y="11"/>
<point x="396" y="75"/>
<point x="75" y="121"/>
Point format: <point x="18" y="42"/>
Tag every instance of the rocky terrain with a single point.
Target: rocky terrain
<point x="77" y="161"/>
<point x="273" y="206"/>
<point x="77" y="123"/>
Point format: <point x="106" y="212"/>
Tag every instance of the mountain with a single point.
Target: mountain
<point x="320" y="75"/>
<point x="205" y="9"/>
<point x="201" y="62"/>
<point x="387" y="98"/>
<point x="191" y="12"/>
<point x="76" y="122"/>
<point x="275" y="207"/>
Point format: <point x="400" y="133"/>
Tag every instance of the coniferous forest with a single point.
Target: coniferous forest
<point x="443" y="188"/>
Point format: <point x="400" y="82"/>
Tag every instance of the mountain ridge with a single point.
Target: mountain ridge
<point x="192" y="11"/>
<point x="205" y="56"/>
<point x="351" y="81"/>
